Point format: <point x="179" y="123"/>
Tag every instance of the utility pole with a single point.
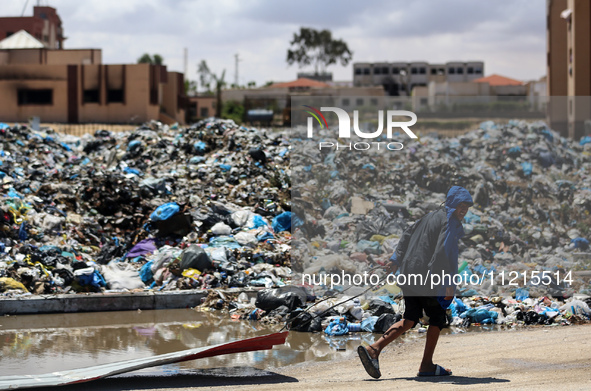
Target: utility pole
<point x="237" y="60"/>
<point x="186" y="58"/>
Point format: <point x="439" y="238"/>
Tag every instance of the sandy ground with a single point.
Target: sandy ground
<point x="545" y="358"/>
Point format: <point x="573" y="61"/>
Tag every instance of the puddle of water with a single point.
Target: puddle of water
<point x="36" y="344"/>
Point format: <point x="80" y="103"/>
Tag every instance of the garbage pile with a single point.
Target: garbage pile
<point x="336" y="313"/>
<point x="160" y="207"/>
<point x="531" y="217"/>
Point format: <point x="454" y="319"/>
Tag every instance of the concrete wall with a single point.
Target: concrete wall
<point x="509" y="90"/>
<point x="50" y="57"/>
<point x="76" y="56"/>
<point x="133" y="79"/>
<point x="579" y="66"/>
<point x="203" y="106"/>
<point x="172" y="93"/>
<point x="15" y="77"/>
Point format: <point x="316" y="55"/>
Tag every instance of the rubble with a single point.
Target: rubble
<point x="532" y="212"/>
<point x="160" y="207"/>
<point x="208" y="206"/>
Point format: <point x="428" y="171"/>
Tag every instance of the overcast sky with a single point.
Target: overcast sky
<point x="508" y="35"/>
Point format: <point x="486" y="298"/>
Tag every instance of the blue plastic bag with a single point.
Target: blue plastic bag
<point x="146" y="272"/>
<point x="282" y="222"/>
<point x="336" y="327"/>
<point x="164" y="212"/>
<point x="368" y="324"/>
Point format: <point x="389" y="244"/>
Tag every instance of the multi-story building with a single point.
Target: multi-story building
<point x="399" y="78"/>
<point x="568" y="46"/>
<point x="74" y="86"/>
<point x="45" y="25"/>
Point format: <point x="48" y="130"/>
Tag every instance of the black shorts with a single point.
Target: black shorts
<point x="414" y="306"/>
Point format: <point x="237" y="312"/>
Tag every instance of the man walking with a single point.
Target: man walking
<point x="428" y="247"/>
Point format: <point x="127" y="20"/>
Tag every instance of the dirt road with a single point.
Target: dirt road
<point x="546" y="358"/>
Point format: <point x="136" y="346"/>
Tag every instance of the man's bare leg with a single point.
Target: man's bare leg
<point x="390" y="335"/>
<point x="430" y="344"/>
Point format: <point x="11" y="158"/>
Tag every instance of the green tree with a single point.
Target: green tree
<point x="219" y="84"/>
<point x="190" y="87"/>
<point x="207" y="78"/>
<point x="233" y="110"/>
<point x="204" y="75"/>
<point x="156" y="59"/>
<point x="318" y="48"/>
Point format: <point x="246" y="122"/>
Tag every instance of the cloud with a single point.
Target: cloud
<point x="509" y="35"/>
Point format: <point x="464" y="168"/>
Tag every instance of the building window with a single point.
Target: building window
<point x="460" y="71"/>
<point x="470" y="70"/>
<point x="414" y="71"/>
<point x="204" y="112"/>
<point x="377" y="71"/>
<point x="35" y="97"/>
<point x="477" y="70"/>
<point x="115" y="96"/>
<point x="359" y="102"/>
<point x="358" y="71"/>
<point x="366" y="71"/>
<point x="384" y="70"/>
<point x="422" y="71"/>
<point x="373" y="101"/>
<point x="433" y="71"/>
<point x="395" y="71"/>
<point x="346" y="102"/>
<point x="451" y="71"/>
<point x="192" y="110"/>
<point x="90" y="96"/>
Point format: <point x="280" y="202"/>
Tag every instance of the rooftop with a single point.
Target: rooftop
<point x="498" y="80"/>
<point x="21" y="40"/>
<point x="301" y="82"/>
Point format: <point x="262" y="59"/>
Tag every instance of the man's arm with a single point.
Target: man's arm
<point x="400" y="251"/>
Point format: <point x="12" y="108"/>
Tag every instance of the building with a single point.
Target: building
<point x="568" y="29"/>
<point x="73" y="86"/>
<point x="399" y="78"/>
<point x="200" y="106"/>
<point x="324" y="76"/>
<point x="39" y="78"/>
<point x="484" y="95"/>
<point x="277" y="97"/>
<point x="502" y="86"/>
<point x="45" y="25"/>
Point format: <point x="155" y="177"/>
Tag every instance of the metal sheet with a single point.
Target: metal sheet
<point x="81" y="375"/>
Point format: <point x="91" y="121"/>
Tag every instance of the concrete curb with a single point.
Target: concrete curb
<point x="111" y="301"/>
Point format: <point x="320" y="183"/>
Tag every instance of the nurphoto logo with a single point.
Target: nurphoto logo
<point x="345" y="127"/>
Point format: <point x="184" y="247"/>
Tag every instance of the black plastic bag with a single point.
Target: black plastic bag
<point x="194" y="257"/>
<point x="378" y="307"/>
<point x="385" y="321"/>
<point x="270" y="299"/>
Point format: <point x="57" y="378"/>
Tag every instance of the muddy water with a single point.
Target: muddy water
<point x="36" y="344"/>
